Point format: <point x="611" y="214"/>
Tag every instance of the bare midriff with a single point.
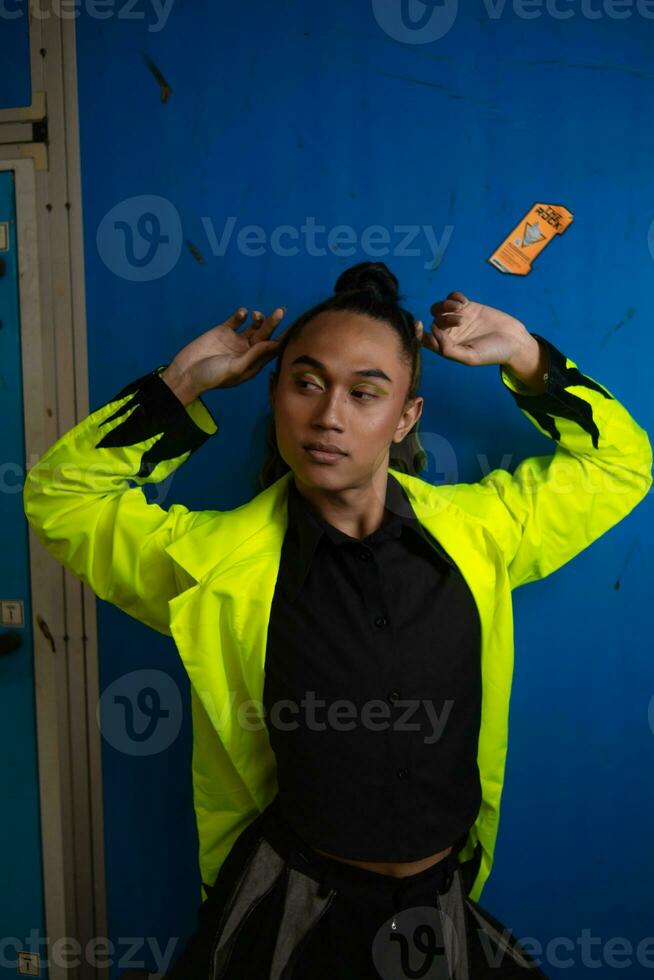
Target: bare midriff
<point x="397" y="869"/>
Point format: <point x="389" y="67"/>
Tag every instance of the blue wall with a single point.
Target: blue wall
<point x="282" y="114"/>
<point x="16" y="83"/>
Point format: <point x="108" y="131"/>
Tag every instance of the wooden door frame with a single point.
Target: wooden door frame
<point x="40" y="143"/>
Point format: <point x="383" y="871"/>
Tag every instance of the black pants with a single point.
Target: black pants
<point x="279" y="910"/>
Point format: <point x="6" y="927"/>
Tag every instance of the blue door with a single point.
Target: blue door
<point x="21" y="894"/>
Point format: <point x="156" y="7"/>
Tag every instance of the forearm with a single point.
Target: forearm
<point x="179" y="384"/>
<point x="600" y="470"/>
<point x="79" y="500"/>
<point x="530" y="365"/>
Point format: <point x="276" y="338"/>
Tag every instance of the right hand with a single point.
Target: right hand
<point x="223" y="358"/>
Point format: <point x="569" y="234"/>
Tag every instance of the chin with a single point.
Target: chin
<point x="319" y="474"/>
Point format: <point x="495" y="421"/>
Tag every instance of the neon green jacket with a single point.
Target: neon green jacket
<point x="207" y="578"/>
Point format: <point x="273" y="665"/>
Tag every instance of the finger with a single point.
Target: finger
<point x="237" y="318"/>
<point x="254" y="359"/>
<point x="446" y="321"/>
<point x="443" y="339"/>
<point x="458" y="296"/>
<point x="449" y="305"/>
<point x="257" y="319"/>
<point x="430" y="342"/>
<point x="463" y="354"/>
<point x="256" y="327"/>
<point x="267" y="326"/>
<point x="261" y="327"/>
<point x="445" y="306"/>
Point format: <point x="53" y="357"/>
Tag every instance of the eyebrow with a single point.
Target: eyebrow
<point x="364" y="372"/>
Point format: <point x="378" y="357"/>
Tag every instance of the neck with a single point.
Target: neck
<point x="355" y="510"/>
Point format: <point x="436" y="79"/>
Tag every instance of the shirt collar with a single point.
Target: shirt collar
<point x="306" y="528"/>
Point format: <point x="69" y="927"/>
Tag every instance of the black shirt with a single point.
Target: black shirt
<point x="387" y="626"/>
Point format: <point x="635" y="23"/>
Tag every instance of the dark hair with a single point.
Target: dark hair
<point x="370" y="288"/>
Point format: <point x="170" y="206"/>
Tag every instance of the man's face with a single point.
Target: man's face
<point x="361" y="414"/>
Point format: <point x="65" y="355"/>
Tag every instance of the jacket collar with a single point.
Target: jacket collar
<point x="307" y="528"/>
<point x="220" y="539"/>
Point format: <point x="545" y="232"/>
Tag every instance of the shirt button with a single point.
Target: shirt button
<point x="394" y="696"/>
<point x="402" y="773"/>
<point x="364" y="555"/>
<point x="381" y="621"/>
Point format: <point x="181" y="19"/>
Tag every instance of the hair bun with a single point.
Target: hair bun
<point x="374" y="277"/>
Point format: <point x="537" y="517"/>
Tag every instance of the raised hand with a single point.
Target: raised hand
<point x="473" y="334"/>
<point x="222" y="357"/>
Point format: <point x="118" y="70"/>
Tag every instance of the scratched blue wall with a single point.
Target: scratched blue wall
<point x="279" y="114"/>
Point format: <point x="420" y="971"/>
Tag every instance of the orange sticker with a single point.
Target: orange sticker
<point x="529" y="238"/>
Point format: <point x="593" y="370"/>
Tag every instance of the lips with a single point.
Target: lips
<point x="325" y="447"/>
<point x="323" y="456"/>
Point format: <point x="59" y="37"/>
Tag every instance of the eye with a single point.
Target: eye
<point x="365" y="395"/>
<point x="302" y="381"/>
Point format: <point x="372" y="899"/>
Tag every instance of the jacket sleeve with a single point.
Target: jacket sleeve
<point x="84" y="500"/>
<point x="552" y="507"/>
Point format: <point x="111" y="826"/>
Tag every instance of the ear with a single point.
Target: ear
<point x="410" y="415"/>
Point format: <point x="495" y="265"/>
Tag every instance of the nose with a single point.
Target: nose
<point x="329" y="412"/>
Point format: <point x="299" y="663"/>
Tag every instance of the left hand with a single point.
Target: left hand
<point x="472" y="333"/>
